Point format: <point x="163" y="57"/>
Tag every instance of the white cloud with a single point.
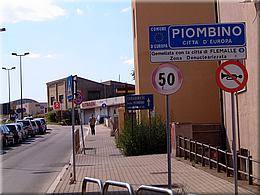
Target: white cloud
<point x="127" y="9"/>
<point x="79" y="12"/>
<point x="34" y="55"/>
<point x="128" y="61"/>
<point x="51" y="56"/>
<point x="13" y="11"/>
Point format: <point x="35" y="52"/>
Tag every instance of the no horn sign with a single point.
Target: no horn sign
<point x="231" y="76"/>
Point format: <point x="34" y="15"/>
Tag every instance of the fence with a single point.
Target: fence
<point x="215" y="157"/>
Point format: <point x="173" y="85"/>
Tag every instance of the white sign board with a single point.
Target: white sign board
<point x="167" y="79"/>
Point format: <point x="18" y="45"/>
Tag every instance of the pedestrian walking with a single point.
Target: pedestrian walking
<point x="92" y="122"/>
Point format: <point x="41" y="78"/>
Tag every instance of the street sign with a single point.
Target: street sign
<point x="79" y="98"/>
<point x="197" y="42"/>
<point x="139" y="102"/>
<point x="167" y="79"/>
<point x="231" y="76"/>
<point x="56" y="105"/>
<point x="70" y="87"/>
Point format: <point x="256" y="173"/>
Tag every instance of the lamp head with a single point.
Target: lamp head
<point x="27" y="53"/>
<point x="3" y="68"/>
<point x="14" y="54"/>
<point x="12" y="68"/>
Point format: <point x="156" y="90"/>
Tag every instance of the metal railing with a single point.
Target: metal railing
<point x="213" y="156"/>
<point x="118" y="184"/>
<point x="92" y="180"/>
<point x="153" y="189"/>
<point x="103" y="187"/>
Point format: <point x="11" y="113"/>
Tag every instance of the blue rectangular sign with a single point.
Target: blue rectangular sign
<point x="70" y="88"/>
<point x="197" y="36"/>
<point x="139" y="102"/>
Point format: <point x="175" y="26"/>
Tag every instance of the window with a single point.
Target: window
<point x="61" y="98"/>
<point x="52" y="100"/>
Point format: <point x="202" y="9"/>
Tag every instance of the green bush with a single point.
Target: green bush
<point x="51" y="117"/>
<point x="143" y="138"/>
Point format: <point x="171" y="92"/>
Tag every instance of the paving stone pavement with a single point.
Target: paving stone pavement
<point x="104" y="161"/>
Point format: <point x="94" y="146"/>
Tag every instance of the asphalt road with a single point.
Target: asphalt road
<point x="32" y="166"/>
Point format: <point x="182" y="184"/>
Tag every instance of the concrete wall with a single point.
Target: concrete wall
<point x="247" y="115"/>
<point x="198" y="99"/>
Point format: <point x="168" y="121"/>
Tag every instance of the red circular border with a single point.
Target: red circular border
<point x="241" y="86"/>
<point x="180" y="77"/>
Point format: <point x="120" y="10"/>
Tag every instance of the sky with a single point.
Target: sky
<point x="89" y="38"/>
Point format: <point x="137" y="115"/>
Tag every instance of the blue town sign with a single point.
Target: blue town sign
<point x="139" y="102"/>
<point x="171" y="43"/>
<point x="199" y="35"/>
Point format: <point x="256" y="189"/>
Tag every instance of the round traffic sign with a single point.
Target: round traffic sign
<point x="231" y="76"/>
<point x="56" y="105"/>
<point x="167" y="79"/>
<point x="79" y="98"/>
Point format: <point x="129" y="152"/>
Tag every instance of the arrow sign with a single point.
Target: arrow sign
<point x="139" y="102"/>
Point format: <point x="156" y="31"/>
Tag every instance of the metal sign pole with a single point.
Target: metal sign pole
<point x="168" y="142"/>
<point x="234" y="147"/>
<point x="81" y="127"/>
<point x="73" y="141"/>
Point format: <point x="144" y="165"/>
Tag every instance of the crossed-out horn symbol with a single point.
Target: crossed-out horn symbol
<point x="229" y="77"/>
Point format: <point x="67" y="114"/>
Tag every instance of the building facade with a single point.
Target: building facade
<point x="247" y="100"/>
<point x="91" y="90"/>
<point x="200" y="101"/>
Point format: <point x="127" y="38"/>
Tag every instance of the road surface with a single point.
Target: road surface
<point x="32" y="166"/>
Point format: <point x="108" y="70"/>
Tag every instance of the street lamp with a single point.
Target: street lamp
<point x="8" y="70"/>
<point x="2" y="29"/>
<point x="20" y="55"/>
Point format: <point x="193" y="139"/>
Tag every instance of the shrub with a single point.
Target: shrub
<point x="51" y="116"/>
<point x="143" y="138"/>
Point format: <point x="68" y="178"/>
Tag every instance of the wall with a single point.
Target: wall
<point x="247" y="117"/>
<point x="198" y="99"/>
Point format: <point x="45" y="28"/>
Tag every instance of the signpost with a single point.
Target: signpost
<point x="167" y="79"/>
<point x="56" y="105"/>
<point x="232" y="76"/>
<point x="70" y="87"/>
<point x="139" y="102"/>
<point x="197" y="42"/>
<point x="79" y="98"/>
<point x="71" y="80"/>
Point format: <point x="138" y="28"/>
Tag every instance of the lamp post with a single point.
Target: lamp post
<point x="20" y="55"/>
<point x="8" y="71"/>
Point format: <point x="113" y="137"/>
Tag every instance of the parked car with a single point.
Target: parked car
<point x="28" y="118"/>
<point x="40" y="125"/>
<point x="28" y="126"/>
<point x="22" y="130"/>
<point x="43" y="122"/>
<point x="14" y="128"/>
<point x="35" y="127"/>
<point x="7" y="137"/>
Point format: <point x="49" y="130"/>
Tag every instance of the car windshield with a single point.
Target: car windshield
<point x="11" y="127"/>
<point x="38" y="122"/>
<point x="25" y="123"/>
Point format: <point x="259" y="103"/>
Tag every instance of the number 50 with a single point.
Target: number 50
<point x="170" y="79"/>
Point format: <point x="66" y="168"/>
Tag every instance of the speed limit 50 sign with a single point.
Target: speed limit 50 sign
<point x="167" y="79"/>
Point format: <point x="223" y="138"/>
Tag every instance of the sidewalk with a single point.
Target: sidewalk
<point x="104" y="161"/>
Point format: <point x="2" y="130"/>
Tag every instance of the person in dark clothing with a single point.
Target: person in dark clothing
<point x="92" y="122"/>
